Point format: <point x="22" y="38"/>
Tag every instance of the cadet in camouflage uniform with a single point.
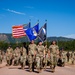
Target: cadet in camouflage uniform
<point x="45" y="61"/>
<point x="40" y="55"/>
<point x="3" y="56"/>
<point x="62" y="58"/>
<point x="54" y="52"/>
<point x="31" y="55"/>
<point x="68" y="56"/>
<point x="23" y="57"/>
<point x="9" y="55"/>
<point x="46" y="57"/>
<point x="16" y="56"/>
<point x="0" y="56"/>
<point x="73" y="57"/>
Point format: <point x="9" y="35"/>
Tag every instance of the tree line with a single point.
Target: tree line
<point x="66" y="45"/>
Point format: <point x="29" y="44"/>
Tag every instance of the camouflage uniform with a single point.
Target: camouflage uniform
<point x="62" y="58"/>
<point x="73" y="57"/>
<point x="3" y="56"/>
<point x="31" y="56"/>
<point x="45" y="61"/>
<point x="39" y="57"/>
<point x="16" y="56"/>
<point x="68" y="56"/>
<point x="48" y="58"/>
<point x="53" y="56"/>
<point x="23" y="57"/>
<point x="0" y="57"/>
<point x="9" y="55"/>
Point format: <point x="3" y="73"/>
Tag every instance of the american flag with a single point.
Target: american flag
<point x="18" y="31"/>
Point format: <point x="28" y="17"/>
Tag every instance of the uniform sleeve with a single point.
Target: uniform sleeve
<point x="29" y="48"/>
<point x="57" y="48"/>
<point x="7" y="51"/>
<point x="43" y="48"/>
<point x="35" y="47"/>
<point x="11" y="50"/>
<point x="50" y="47"/>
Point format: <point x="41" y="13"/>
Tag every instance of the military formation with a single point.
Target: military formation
<point x="37" y="56"/>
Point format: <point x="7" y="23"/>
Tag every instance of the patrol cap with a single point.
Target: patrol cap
<point x="40" y="41"/>
<point x="17" y="46"/>
<point x="9" y="45"/>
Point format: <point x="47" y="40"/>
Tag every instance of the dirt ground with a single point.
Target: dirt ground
<point x="16" y="70"/>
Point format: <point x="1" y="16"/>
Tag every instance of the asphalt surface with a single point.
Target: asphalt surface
<point x="16" y="70"/>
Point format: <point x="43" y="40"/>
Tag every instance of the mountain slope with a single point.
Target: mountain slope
<point x="8" y="38"/>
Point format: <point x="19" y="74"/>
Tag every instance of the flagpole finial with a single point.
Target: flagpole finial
<point x="46" y="20"/>
<point x="38" y="21"/>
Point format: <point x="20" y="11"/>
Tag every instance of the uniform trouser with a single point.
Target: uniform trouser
<point x="15" y="61"/>
<point x="31" y="62"/>
<point x="23" y="63"/>
<point x="73" y="61"/>
<point x="0" y="60"/>
<point x="8" y="60"/>
<point x="45" y="62"/>
<point x="53" y="60"/>
<point x="39" y="61"/>
<point x="67" y="59"/>
<point x="63" y="60"/>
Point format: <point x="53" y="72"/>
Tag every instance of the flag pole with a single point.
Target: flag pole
<point x="29" y="20"/>
<point x="46" y="35"/>
<point x="30" y="23"/>
<point x="37" y="35"/>
<point x="29" y="27"/>
<point x="46" y="31"/>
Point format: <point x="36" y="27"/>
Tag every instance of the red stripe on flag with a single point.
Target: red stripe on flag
<point x="18" y="31"/>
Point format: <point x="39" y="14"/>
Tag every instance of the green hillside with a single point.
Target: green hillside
<point x="8" y="38"/>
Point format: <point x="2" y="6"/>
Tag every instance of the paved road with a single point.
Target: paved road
<point x="15" y="70"/>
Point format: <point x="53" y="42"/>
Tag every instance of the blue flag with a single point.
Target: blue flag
<point x="32" y="32"/>
<point x="42" y="33"/>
